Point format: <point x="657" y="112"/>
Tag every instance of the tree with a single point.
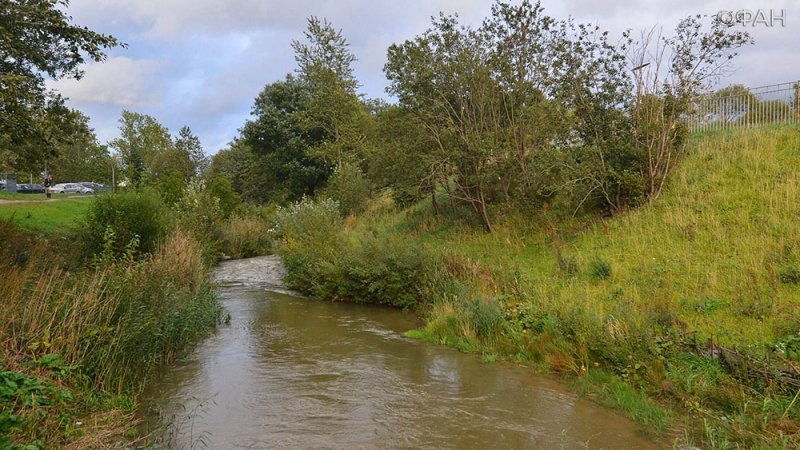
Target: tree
<point x="145" y="148"/>
<point x="37" y="39"/>
<point x="306" y="125"/>
<point x="80" y="156"/>
<point x="234" y="163"/>
<point x="280" y="136"/>
<point x="189" y="144"/>
<point x="324" y="65"/>
<point x="482" y="95"/>
<point x="671" y="73"/>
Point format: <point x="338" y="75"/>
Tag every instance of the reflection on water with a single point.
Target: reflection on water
<point x="291" y="372"/>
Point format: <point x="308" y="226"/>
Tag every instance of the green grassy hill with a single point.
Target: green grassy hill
<point x="683" y="301"/>
<point x="720" y="249"/>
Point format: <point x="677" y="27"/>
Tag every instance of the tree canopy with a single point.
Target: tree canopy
<point x="38" y="40"/>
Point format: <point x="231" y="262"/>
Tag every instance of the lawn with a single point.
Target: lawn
<point x="34" y="213"/>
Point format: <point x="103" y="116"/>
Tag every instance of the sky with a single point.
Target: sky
<point x="201" y="63"/>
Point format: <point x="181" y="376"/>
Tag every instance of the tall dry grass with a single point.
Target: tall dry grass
<point x="243" y="237"/>
<point x="116" y="322"/>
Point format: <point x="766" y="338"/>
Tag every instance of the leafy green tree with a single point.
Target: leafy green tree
<point x="280" y="137"/>
<point x="324" y="65"/>
<point x="235" y="164"/>
<point x="480" y="94"/>
<point x="37" y="39"/>
<point x="80" y="156"/>
<point x="672" y="71"/>
<point x="188" y="143"/>
<point x="144" y="142"/>
<point x="404" y="156"/>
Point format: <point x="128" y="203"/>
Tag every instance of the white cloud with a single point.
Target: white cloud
<point x="119" y="81"/>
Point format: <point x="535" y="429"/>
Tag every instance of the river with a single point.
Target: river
<point x="289" y="372"/>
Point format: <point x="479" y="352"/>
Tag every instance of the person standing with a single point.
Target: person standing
<point x="48" y="184"/>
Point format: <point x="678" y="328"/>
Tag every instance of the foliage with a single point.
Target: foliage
<point x="142" y="139"/>
<point x="199" y="214"/>
<point x="308" y="221"/>
<point x="77" y="339"/>
<point x="306" y="125"/>
<point x="39" y="39"/>
<point x="349" y="188"/>
<point x="189" y="144"/>
<point x="331" y="263"/>
<point x="599" y="269"/>
<point x="237" y="164"/>
<point x="279" y="139"/>
<point x="222" y="189"/>
<point x="79" y="156"/>
<point x="246" y="236"/>
<point x="134" y="216"/>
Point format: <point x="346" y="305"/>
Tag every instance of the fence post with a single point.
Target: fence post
<point x="797" y="101"/>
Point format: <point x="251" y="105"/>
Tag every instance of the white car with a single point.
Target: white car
<point x="71" y="188"/>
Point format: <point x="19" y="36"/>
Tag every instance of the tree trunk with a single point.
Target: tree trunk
<point x="434" y="204"/>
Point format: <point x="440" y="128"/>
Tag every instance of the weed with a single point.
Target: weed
<point x="599" y="269"/>
<point x="790" y="275"/>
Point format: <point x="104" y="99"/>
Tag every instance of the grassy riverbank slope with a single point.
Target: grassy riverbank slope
<point x="684" y="313"/>
<point x="684" y="299"/>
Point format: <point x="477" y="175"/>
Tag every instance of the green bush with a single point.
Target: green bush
<point x="382" y="269"/>
<point x="133" y="216"/>
<point x="349" y="187"/>
<point x="308" y="220"/>
<point x="222" y="189"/>
<point x="329" y="262"/>
<point x="246" y="236"/>
<point x="790" y="275"/>
<point x="200" y="215"/>
<point x="486" y="318"/>
<point x="600" y="270"/>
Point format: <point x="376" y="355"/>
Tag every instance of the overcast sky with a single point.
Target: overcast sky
<point x="202" y="62"/>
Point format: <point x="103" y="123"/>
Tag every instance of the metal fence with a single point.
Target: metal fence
<point x="737" y="106"/>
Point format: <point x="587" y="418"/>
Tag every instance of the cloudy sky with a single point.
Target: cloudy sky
<point x="202" y="62"/>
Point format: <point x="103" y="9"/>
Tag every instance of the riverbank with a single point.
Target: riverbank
<point x="92" y="308"/>
<point x="682" y="313"/>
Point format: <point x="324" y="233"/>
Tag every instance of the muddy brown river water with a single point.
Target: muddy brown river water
<point x="289" y="372"/>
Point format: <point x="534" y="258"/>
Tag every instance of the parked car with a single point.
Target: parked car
<point x="27" y="188"/>
<point x="71" y="188"/>
<point x="95" y="187"/>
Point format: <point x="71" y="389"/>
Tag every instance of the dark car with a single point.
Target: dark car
<point x="27" y="188"/>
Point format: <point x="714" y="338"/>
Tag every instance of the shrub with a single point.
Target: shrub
<point x="349" y="187"/>
<point x="382" y="269"/>
<point x="307" y="231"/>
<point x="132" y="215"/>
<point x="329" y="262"/>
<point x="600" y="270"/>
<point x="790" y="275"/>
<point x="485" y="317"/>
<point x="200" y="215"/>
<point x="243" y="237"/>
<point x="222" y="189"/>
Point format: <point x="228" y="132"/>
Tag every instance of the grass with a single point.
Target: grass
<point x="717" y="250"/>
<point x="45" y="216"/>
